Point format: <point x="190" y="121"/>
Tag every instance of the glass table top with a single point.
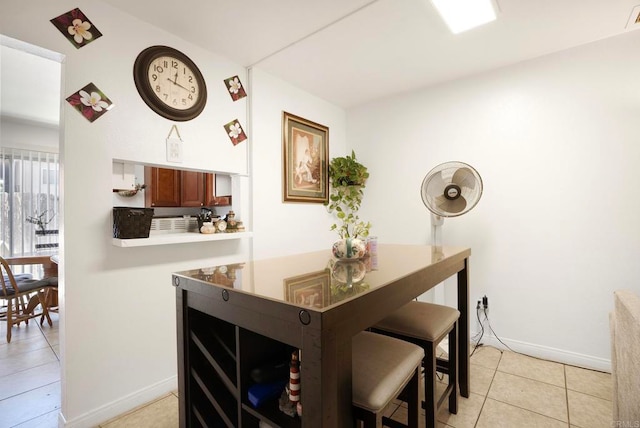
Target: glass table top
<point x="316" y="280"/>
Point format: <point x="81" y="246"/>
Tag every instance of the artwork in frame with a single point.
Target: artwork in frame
<point x="235" y="88"/>
<point x="305" y="160"/>
<point x="91" y="102"/>
<point x="76" y="27"/>
<point x="311" y="290"/>
<point x="235" y="132"/>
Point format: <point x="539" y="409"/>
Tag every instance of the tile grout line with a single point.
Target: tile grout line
<point x="29" y="390"/>
<point x="566" y="394"/>
<point x="48" y="342"/>
<point x="486" y="397"/>
<point x="35" y="417"/>
<point x="529" y="410"/>
<point x="534" y="380"/>
<point x="31" y="367"/>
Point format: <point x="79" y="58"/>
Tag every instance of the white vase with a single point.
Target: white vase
<point x="348" y="272"/>
<point x="349" y="249"/>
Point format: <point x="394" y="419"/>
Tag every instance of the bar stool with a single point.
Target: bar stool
<point x="426" y="324"/>
<point x="382" y="368"/>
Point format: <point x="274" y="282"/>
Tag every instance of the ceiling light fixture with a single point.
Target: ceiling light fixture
<point x="463" y="15"/>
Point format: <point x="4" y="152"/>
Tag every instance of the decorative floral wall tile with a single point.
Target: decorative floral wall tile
<point x="235" y="88"/>
<point x="235" y="132"/>
<point x="91" y="102"/>
<point x="76" y="27"/>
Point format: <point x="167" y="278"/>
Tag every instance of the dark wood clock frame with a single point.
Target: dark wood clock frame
<point x="140" y="77"/>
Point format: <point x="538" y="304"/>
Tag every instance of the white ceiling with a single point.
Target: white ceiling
<point x="347" y="52"/>
<point x="352" y="52"/>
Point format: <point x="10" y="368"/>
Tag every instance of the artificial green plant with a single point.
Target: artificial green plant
<point x="347" y="178"/>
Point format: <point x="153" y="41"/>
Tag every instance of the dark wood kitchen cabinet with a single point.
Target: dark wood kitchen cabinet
<point x="177" y="188"/>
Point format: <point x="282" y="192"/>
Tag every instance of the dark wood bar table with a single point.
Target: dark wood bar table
<point x="235" y="318"/>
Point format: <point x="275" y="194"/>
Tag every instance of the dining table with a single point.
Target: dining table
<point x="237" y="322"/>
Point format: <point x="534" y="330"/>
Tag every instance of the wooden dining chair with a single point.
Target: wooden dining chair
<point x="22" y="293"/>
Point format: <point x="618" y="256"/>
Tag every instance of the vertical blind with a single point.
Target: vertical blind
<point x="30" y="202"/>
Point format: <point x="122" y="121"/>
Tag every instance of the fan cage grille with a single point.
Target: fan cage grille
<point x="439" y="179"/>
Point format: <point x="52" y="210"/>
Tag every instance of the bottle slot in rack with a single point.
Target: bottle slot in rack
<point x="204" y="412"/>
<point x="216" y="340"/>
<point x="221" y="366"/>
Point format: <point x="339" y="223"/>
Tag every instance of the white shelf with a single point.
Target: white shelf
<point x="179" y="238"/>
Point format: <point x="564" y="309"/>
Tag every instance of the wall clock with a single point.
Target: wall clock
<point x="170" y="83"/>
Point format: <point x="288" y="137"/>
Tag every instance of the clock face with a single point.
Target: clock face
<point x="170" y="83"/>
<point x="173" y="82"/>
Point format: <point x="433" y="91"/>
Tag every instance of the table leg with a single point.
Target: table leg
<point x="325" y="380"/>
<point x="463" y="330"/>
<point x="182" y="322"/>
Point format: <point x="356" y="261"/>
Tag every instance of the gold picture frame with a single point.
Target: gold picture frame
<point x="305" y="148"/>
<point x="311" y="290"/>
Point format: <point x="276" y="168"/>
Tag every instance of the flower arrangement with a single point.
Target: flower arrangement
<point x="40" y="220"/>
<point x="347" y="177"/>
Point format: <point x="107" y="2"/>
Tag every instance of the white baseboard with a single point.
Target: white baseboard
<point x="548" y="353"/>
<point x="121" y="405"/>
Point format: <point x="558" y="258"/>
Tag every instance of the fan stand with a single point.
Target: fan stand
<point x="436" y="254"/>
<point x="436" y="231"/>
<point x="436" y="294"/>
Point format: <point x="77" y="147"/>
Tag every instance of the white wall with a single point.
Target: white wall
<point x="118" y="338"/>
<point x="30" y="86"/>
<point x="28" y="135"/>
<point x="556" y="231"/>
<point x="286" y="228"/>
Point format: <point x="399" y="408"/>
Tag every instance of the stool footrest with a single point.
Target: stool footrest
<point x="444" y="396"/>
<point x="442" y="366"/>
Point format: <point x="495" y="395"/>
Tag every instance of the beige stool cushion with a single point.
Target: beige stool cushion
<point x="421" y="320"/>
<point x="381" y="366"/>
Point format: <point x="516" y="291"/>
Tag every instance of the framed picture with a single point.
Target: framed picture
<point x="305" y="160"/>
<point x="310" y="289"/>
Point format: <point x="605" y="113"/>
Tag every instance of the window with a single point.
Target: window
<point x="29" y="203"/>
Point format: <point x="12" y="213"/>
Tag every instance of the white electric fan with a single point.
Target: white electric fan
<point x="449" y="190"/>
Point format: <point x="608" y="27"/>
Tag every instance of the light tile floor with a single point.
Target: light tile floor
<point x="513" y="390"/>
<point x="507" y="390"/>
<point x="30" y="375"/>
